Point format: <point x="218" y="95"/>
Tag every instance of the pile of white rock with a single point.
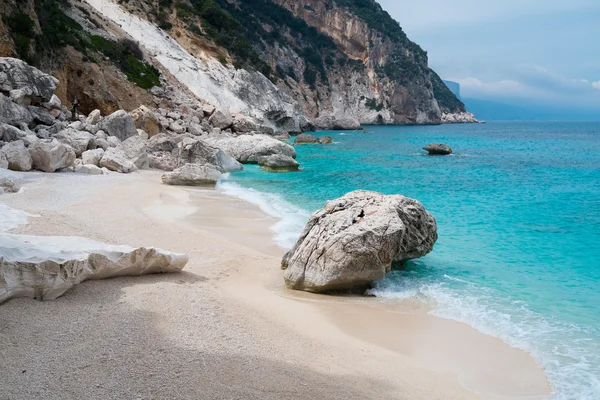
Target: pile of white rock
<point x="195" y="143"/>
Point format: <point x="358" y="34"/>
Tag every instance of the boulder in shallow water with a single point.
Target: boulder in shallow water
<point x="50" y="155"/>
<point x="17" y="155"/>
<point x="354" y="241"/>
<point x="247" y="149"/>
<point x="197" y="151"/>
<point x="306" y="138"/>
<point x="192" y="175"/>
<point x="325" y="140"/>
<point x="278" y="163"/>
<point x="438" y="149"/>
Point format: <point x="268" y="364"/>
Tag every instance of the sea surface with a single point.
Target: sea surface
<point x="518" y="211"/>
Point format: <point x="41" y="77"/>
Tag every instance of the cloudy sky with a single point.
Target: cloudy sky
<point x="518" y="51"/>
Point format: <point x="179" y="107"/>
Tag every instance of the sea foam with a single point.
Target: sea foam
<point x="290" y="218"/>
<point x="567" y="352"/>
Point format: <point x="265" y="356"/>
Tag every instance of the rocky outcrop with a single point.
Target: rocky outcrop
<point x="17" y="156"/>
<point x="459" y="118"/>
<point x="196" y="151"/>
<point x="30" y="269"/>
<point x="119" y="124"/>
<point x="438" y="149"/>
<point x="25" y="84"/>
<point x="51" y="155"/>
<point x="354" y="241"/>
<point x="306" y="138"/>
<point x="247" y="149"/>
<point x="192" y="175"/>
<point x="278" y="163"/>
<point x="332" y="123"/>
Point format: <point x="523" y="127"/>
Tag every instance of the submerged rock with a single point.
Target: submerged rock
<point x="325" y="140"/>
<point x="438" y="149"/>
<point x="354" y="241"/>
<point x="278" y="163"/>
<point x="192" y="175"/>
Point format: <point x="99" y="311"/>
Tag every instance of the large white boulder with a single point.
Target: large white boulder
<point x="51" y="155"/>
<point x="94" y="117"/>
<point x="115" y="159"/>
<point x="17" y="155"/>
<point x="247" y="149"/>
<point x="134" y="149"/>
<point x="92" y="157"/>
<point x="78" y="140"/>
<point x="119" y="124"/>
<point x="192" y="175"/>
<point x="354" y="240"/>
<point x="197" y="151"/>
<point x="221" y="119"/>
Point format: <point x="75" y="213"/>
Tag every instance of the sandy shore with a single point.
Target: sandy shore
<point x="225" y="328"/>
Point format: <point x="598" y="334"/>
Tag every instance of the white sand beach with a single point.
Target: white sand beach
<point x="224" y="328"/>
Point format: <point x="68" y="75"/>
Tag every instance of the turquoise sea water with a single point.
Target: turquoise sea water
<point x="518" y="209"/>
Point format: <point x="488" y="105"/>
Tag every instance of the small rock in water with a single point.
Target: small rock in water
<point x="438" y="149"/>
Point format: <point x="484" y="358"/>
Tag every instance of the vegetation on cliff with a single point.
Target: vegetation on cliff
<point x="58" y="30"/>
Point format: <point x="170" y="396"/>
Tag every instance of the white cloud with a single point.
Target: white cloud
<point x="596" y="85"/>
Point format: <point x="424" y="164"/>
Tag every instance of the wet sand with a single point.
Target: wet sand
<point x="225" y="328"/>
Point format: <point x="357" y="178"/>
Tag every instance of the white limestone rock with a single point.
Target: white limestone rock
<point x="116" y="160"/>
<point x="17" y="155"/>
<point x="192" y="175"/>
<point x="247" y="149"/>
<point x="354" y="240"/>
<point x="94" y="117"/>
<point x="50" y="155"/>
<point x="197" y="151"/>
<point x="92" y="157"/>
<point x="119" y="124"/>
<point x="146" y="120"/>
<point x="24" y="82"/>
<point x="44" y="268"/>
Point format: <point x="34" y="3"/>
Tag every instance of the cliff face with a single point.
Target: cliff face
<point x="390" y="81"/>
<point x="285" y="63"/>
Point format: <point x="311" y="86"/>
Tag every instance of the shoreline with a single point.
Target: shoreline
<point x="235" y="262"/>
